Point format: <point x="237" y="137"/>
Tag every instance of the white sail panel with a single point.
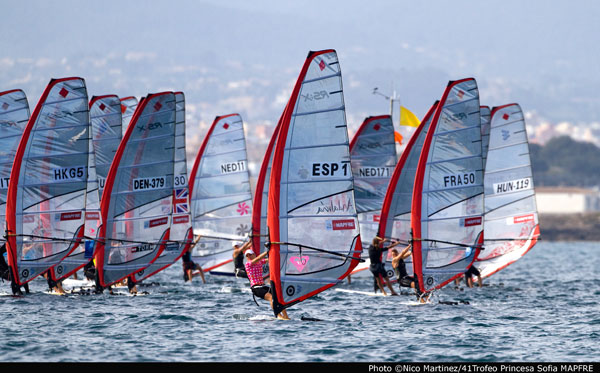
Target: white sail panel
<point x="373" y="157"/>
<point x="136" y="203"/>
<point x="47" y="192"/>
<point x="447" y="209"/>
<point x="312" y="217"/>
<point x="511" y="218"/>
<point x="128" y="107"/>
<point x="220" y="193"/>
<point x="14" y="114"/>
<point x="486" y="114"/>
<point x="180" y="236"/>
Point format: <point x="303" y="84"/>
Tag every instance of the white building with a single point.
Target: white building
<point x="567" y="200"/>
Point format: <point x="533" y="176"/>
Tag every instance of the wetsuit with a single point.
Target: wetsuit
<point x="472" y="271"/>
<point x="404" y="280"/>
<point x="4" y="269"/>
<point x="188" y="264"/>
<point x="377" y="268"/>
<point x="238" y="263"/>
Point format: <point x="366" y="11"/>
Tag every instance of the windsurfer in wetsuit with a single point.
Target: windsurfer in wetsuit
<point x="5" y="273"/>
<point x="404" y="280"/>
<point x="472" y="271"/>
<point x="238" y="259"/>
<point x="377" y="268"/>
<point x="254" y="265"/>
<point x="56" y="286"/>
<point x="189" y="266"/>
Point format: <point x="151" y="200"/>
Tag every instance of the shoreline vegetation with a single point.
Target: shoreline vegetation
<point x="570" y="227"/>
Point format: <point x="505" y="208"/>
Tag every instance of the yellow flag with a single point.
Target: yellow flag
<point x="407" y="118"/>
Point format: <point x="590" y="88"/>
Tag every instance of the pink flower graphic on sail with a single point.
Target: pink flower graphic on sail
<point x="243" y="208"/>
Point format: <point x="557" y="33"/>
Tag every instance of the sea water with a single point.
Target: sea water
<point x="543" y="308"/>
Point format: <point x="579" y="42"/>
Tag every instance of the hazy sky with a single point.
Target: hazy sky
<point x="542" y="54"/>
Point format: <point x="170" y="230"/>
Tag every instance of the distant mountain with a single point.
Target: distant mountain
<point x="563" y="161"/>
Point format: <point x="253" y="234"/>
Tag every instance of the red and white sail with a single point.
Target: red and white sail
<point x="312" y="219"/>
<point x="47" y="189"/>
<point x="136" y="205"/>
<point x="373" y="157"/>
<point x="14" y="114"/>
<point x="181" y="236"/>
<point x="511" y="218"/>
<point x="220" y="193"/>
<point x="447" y="203"/>
<point x="395" y="222"/>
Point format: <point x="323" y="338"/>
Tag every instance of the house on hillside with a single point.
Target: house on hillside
<point x="567" y="200"/>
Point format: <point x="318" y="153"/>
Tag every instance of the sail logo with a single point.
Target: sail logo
<point x="330" y="169"/>
<point x="180" y="201"/>
<point x="370" y="145"/>
<point x="156" y="222"/>
<point x="69" y="173"/>
<point x="231" y="167"/>
<point x="4" y="182"/>
<point x="322" y="65"/>
<point x="5" y="106"/>
<point x="92" y="215"/>
<point x="505" y="135"/>
<point x="182" y="219"/>
<point x="520" y="219"/>
<point x="330" y="208"/>
<point x="243" y="208"/>
<point x="65" y="216"/>
<point x="318" y="95"/>
<point x="471" y="222"/>
<point x="512" y="186"/>
<point x="299" y="262"/>
<point x="149" y="126"/>
<point x="369" y="172"/>
<point x="338" y="225"/>
<point x="460" y="180"/>
<point x="149" y="183"/>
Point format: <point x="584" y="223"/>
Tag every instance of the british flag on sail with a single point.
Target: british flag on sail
<point x="180" y="201"/>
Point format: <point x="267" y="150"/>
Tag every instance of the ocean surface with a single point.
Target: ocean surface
<point x="543" y="308"/>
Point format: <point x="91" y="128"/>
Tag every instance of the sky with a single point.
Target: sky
<point x="244" y="56"/>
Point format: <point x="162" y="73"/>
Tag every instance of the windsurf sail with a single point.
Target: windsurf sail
<point x="180" y="237"/>
<point x="261" y="197"/>
<point x="373" y="157"/>
<point x="486" y="114"/>
<point x="136" y="204"/>
<point x="47" y="189"/>
<point x="220" y="193"/>
<point x="312" y="220"/>
<point x="14" y="114"/>
<point x="395" y="218"/>
<point x="447" y="203"/>
<point x="511" y="218"/>
<point x="128" y="106"/>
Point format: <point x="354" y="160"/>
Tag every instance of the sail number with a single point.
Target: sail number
<point x="180" y="180"/>
<point x="149" y="183"/>
<point x="460" y="180"/>
<point x="4" y="182"/>
<point x="330" y="169"/>
<point x="69" y="173"/>
<point x="374" y="172"/>
<point x="231" y="167"/>
<point x="513" y="186"/>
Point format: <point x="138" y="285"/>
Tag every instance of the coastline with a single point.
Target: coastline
<point x="570" y="227"/>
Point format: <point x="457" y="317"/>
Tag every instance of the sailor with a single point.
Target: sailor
<point x="238" y="259"/>
<point x="190" y="266"/>
<point x="55" y="286"/>
<point x="5" y="273"/>
<point x="254" y="265"/>
<point x="472" y="271"/>
<point x="377" y="268"/>
<point x="404" y="280"/>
